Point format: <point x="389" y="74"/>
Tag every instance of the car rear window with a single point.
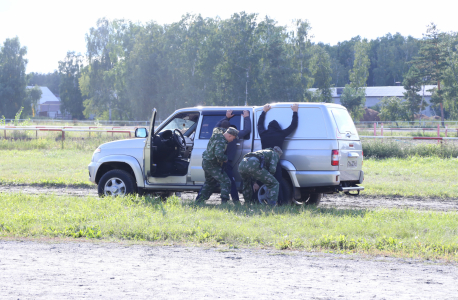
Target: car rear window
<point x="343" y="120"/>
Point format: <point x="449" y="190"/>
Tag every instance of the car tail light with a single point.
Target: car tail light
<point x="335" y="158"/>
<point x="362" y="157"/>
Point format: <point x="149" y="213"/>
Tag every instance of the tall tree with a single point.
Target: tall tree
<point x="13" y="80"/>
<point x="412" y="85"/>
<point x="450" y="74"/>
<point x="70" y="93"/>
<point x="431" y="62"/>
<point x="321" y="71"/>
<point x="31" y="103"/>
<point x="354" y="94"/>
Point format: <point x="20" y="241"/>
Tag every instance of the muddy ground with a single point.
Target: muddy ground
<point x="84" y="270"/>
<point x="337" y="201"/>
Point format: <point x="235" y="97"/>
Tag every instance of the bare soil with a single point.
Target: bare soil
<point x="85" y="270"/>
<point x="340" y="201"/>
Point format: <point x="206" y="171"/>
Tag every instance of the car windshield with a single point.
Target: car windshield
<point x="182" y="122"/>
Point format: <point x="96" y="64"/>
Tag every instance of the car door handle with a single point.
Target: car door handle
<point x="238" y="144"/>
<point x="353" y="154"/>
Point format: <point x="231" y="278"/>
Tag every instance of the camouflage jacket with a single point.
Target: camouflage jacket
<point x="216" y="147"/>
<point x="270" y="159"/>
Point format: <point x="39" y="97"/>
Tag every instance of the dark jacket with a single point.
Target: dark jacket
<point x="232" y="146"/>
<point x="274" y="135"/>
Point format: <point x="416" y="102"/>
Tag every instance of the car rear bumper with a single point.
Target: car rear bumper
<point x="320" y="178"/>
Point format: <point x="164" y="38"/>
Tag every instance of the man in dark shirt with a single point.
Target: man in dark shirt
<point x="275" y="136"/>
<point x="232" y="148"/>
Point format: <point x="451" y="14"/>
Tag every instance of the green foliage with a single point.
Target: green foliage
<point x="393" y="108"/>
<point x="354" y="94"/>
<point x="360" y="71"/>
<point x="354" y="99"/>
<point x="70" y="92"/>
<point x="17" y="117"/>
<point x="33" y="97"/>
<point x="49" y="80"/>
<point x="412" y="84"/>
<point x="320" y="66"/>
<point x="390" y="148"/>
<point x="13" y="80"/>
<point x="450" y="74"/>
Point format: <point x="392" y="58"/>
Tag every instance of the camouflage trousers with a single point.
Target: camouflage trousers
<point x="213" y="175"/>
<point x="249" y="169"/>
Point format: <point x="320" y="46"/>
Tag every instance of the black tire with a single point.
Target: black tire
<point x="310" y="199"/>
<point x="287" y="190"/>
<point x="116" y="183"/>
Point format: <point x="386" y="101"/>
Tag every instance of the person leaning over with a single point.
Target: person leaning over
<point x="232" y="149"/>
<point x="212" y="161"/>
<point x="261" y="165"/>
<point x="275" y="136"/>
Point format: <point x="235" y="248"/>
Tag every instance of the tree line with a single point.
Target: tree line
<point x="129" y="68"/>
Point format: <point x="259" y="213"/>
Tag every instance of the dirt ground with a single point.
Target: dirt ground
<point x="66" y="269"/>
<point x="337" y="201"/>
<point x="84" y="270"/>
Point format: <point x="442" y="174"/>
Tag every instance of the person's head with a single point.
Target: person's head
<point x="273" y="125"/>
<point x="278" y="150"/>
<point x="233" y="126"/>
<point x="225" y="124"/>
<point x="231" y="134"/>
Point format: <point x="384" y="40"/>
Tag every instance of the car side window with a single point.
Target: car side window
<point x="209" y="123"/>
<point x="185" y="122"/>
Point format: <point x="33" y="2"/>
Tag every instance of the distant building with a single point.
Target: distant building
<point x="49" y="105"/>
<point x="374" y="94"/>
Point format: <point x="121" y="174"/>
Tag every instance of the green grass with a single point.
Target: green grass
<point x="412" y="177"/>
<point x="47" y="167"/>
<point x="407" y="233"/>
<point x="427" y="177"/>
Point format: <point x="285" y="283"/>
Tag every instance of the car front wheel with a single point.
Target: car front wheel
<point x="116" y="183"/>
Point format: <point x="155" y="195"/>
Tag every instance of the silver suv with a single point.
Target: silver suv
<point x="323" y="155"/>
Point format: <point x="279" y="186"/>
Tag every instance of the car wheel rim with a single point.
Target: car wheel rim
<point x="114" y="187"/>
<point x="262" y="195"/>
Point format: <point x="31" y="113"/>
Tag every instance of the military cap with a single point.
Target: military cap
<point x="278" y="150"/>
<point x="232" y="131"/>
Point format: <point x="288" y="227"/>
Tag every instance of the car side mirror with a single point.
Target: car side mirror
<point x="141" y="132"/>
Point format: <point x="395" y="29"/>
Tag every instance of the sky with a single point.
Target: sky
<point x="50" y="28"/>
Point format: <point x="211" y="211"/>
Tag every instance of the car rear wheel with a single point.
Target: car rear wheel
<point x="116" y="183"/>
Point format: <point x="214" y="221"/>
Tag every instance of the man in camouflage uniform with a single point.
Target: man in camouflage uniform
<point x="212" y="161"/>
<point x="261" y="165"/>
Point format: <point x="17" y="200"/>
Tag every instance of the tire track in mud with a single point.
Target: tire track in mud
<point x="339" y="201"/>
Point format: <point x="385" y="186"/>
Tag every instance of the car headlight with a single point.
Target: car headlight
<point x="97" y="151"/>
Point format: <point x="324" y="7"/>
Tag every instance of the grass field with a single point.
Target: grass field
<point x="48" y="167"/>
<point x="406" y="233"/>
<point x="413" y="177"/>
